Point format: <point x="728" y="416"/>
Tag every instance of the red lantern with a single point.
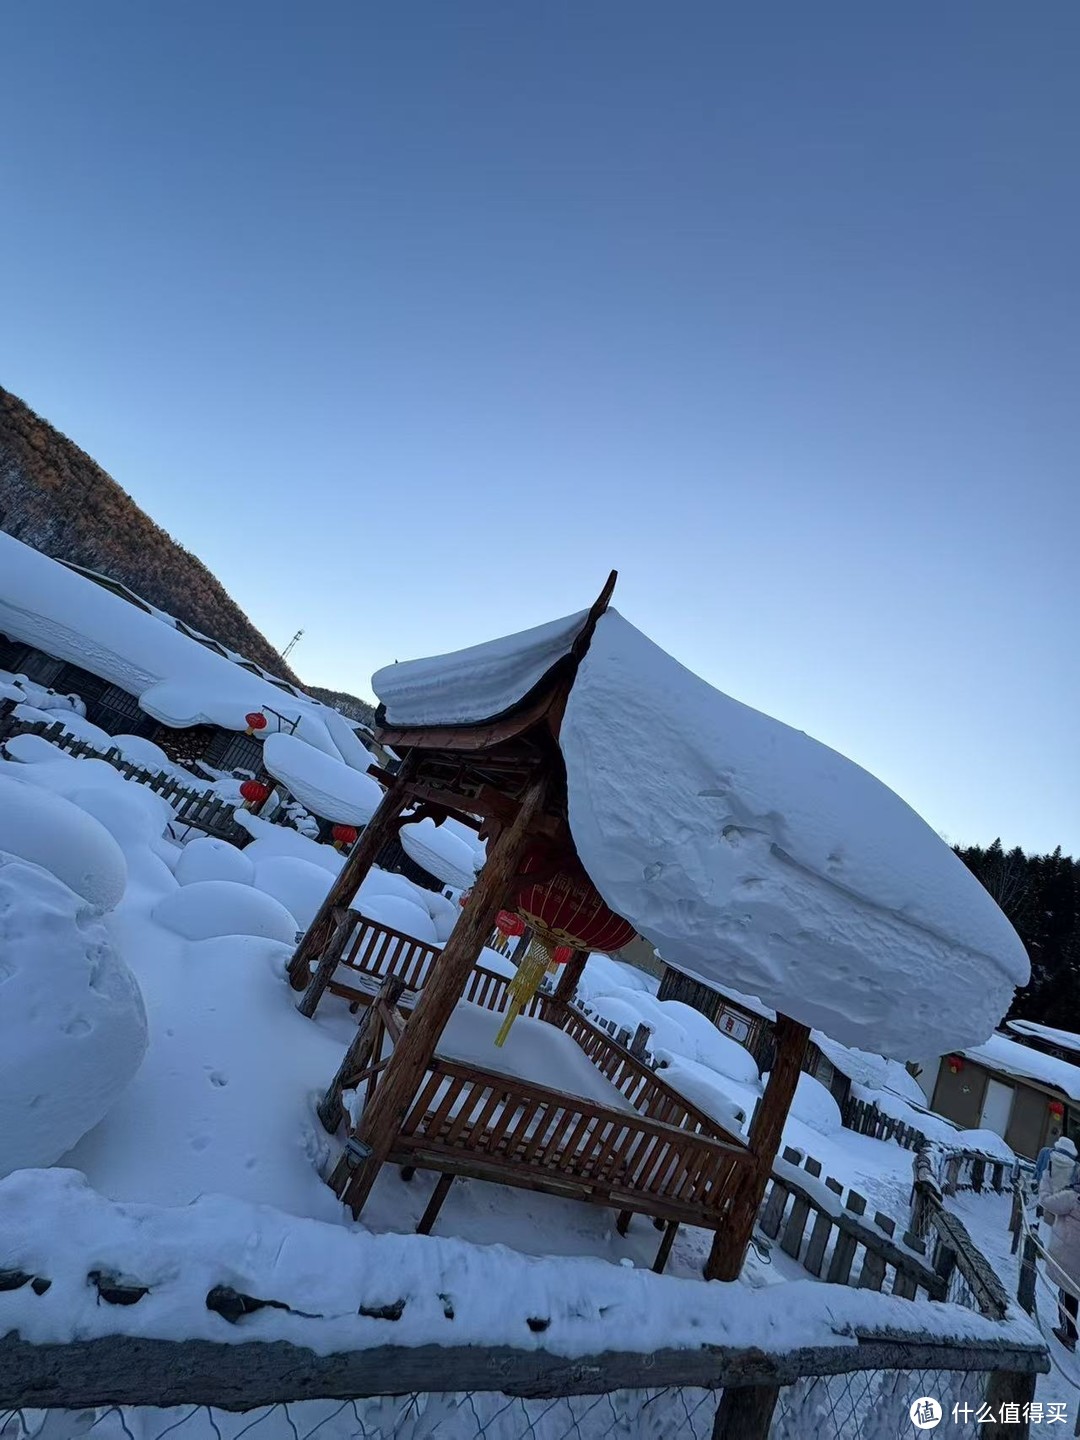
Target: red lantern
<point x="1056" y="1108"/>
<point x="955" y="1064"/>
<point x="255" y="793"/>
<point x="344" y="834"/>
<point x="507" y="923"/>
<point x="568" y="908"/>
<point x="465" y="899"/>
<point x="562" y="954"/>
<point x="255" y="720"/>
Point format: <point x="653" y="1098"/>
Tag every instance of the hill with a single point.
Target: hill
<point x="54" y="497"/>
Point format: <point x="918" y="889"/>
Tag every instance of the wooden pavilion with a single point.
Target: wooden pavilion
<point x="654" y="1153"/>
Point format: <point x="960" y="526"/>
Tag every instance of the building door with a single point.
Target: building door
<point x="997" y="1107"/>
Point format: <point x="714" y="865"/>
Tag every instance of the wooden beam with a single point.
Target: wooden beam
<point x="397" y="1088"/>
<point x="358" y="1055"/>
<point x="344" y="921"/>
<point x="379" y="829"/>
<point x="729" y="1245"/>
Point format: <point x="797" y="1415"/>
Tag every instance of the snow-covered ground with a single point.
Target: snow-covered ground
<point x="193" y="1157"/>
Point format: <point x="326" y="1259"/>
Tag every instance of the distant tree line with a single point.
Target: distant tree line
<point x="1041" y="896"/>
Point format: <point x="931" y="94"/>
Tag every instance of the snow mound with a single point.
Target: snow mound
<point x="297" y="884"/>
<point x="814" y="1105"/>
<point x="440" y="852"/>
<point x="141" y="751"/>
<point x="631" y="1008"/>
<point x="72" y="722"/>
<point x="388" y="882"/>
<point x="444" y="914"/>
<point x="51" y="832"/>
<point x="33" y="750"/>
<point x="602" y="975"/>
<point x="209" y="908"/>
<point x="210" y="859"/>
<point x="728" y="1102"/>
<point x="708" y="1046"/>
<point x="72" y="1024"/>
<point x="280" y="840"/>
<point x="327" y="786"/>
<point x="398" y="913"/>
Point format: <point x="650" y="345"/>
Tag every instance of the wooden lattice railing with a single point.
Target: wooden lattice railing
<point x="497" y="1127"/>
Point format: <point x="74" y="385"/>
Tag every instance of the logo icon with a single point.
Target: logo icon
<point x="925" y="1413"/>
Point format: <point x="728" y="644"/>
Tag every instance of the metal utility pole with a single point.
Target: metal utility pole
<point x="289" y="647"/>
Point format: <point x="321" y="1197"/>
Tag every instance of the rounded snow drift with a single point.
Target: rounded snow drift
<point x="210" y="859"/>
<point x="815" y="1106"/>
<point x="439" y="852"/>
<point x="51" y="832"/>
<point x="398" y="914"/>
<point x="222" y="907"/>
<point x="72" y="1025"/>
<point x="297" y="884"/>
<point x="443" y="912"/>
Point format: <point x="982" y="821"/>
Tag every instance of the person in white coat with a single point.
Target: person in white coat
<point x="1055" y="1166"/>
<point x="1064" y="1267"/>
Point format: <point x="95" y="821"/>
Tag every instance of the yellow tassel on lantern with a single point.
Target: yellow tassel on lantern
<point x="521" y="989"/>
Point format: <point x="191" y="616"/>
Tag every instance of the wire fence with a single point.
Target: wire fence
<point x="860" y="1405"/>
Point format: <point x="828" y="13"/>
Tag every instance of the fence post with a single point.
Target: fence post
<point x="1008" y="1387"/>
<point x="745" y="1413"/>
<point x="1025" y="1288"/>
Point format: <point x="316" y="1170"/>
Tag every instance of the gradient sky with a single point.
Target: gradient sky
<point x="414" y="320"/>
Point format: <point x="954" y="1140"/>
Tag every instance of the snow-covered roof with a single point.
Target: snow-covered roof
<point x="1048" y="1034"/>
<point x="327" y="786"/>
<point x="1023" y="1063"/>
<point x="741" y="847"/>
<point x="176" y="678"/>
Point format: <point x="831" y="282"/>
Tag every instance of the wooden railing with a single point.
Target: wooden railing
<point x="497" y="1127"/>
<point x="200" y="809"/>
<point x="641" y="1086"/>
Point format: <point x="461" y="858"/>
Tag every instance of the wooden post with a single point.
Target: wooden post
<point x="357" y="1057"/>
<point x="1025" y="1289"/>
<point x="570" y="977"/>
<point x="730" y="1242"/>
<point x="344" y="922"/>
<point x="412" y="1054"/>
<point x="376" y="833"/>
<point x="746" y="1412"/>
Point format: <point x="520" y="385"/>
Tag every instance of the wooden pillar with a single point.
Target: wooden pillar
<point x="344" y="921"/>
<point x="729" y="1245"/>
<point x="570" y="977"/>
<point x="396" y="1090"/>
<point x="379" y="829"/>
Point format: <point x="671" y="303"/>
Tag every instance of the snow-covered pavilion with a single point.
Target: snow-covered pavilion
<point x="745" y="851"/>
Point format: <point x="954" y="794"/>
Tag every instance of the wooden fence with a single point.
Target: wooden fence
<point x="198" y="809"/>
<point x="864" y="1117"/>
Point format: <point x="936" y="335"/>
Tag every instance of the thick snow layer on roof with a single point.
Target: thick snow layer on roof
<point x="727" y="838"/>
<point x="1010" y="1058"/>
<point x="477" y="683"/>
<point x="743" y="848"/>
<point x="1048" y="1034"/>
<point x="178" y="680"/>
<point x="328" y="787"/>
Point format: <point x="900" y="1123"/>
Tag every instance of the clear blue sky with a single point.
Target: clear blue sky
<point x="413" y="320"/>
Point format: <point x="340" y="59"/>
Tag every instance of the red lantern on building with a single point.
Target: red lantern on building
<point x="1056" y="1108"/>
<point x="344" y="836"/>
<point x="508" y="924"/>
<point x="255" y="793"/>
<point x="955" y="1064"/>
<point x="255" y="720"/>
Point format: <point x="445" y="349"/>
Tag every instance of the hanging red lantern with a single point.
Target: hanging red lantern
<point x="255" y="720"/>
<point x="465" y="899"/>
<point x="955" y="1064"/>
<point x="255" y="793"/>
<point x="343" y="835"/>
<point x="509" y="924"/>
<point x="567" y="908"/>
<point x="1056" y="1108"/>
<point x="562" y="954"/>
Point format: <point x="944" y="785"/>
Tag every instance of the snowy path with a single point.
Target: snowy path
<point x="987" y="1220"/>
